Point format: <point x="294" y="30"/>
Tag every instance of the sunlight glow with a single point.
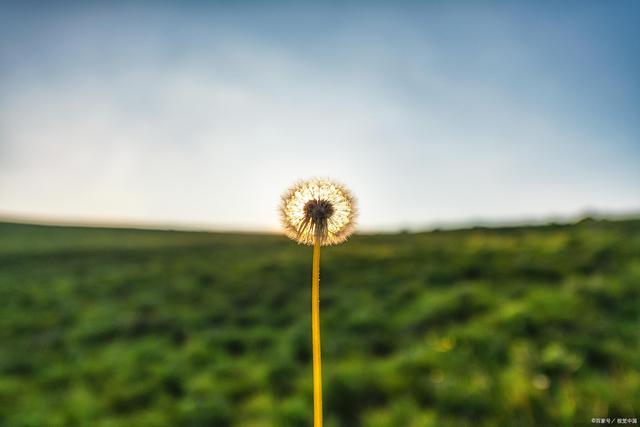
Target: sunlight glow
<point x="300" y="225"/>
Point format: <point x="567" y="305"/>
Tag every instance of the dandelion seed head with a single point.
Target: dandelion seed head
<point x="318" y="210"/>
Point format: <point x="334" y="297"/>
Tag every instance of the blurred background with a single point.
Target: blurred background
<point x="493" y="147"/>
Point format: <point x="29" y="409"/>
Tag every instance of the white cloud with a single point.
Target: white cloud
<point x="211" y="131"/>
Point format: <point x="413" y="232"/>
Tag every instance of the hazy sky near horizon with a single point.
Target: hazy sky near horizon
<point x="203" y="114"/>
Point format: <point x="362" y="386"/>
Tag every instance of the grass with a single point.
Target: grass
<point x="485" y="327"/>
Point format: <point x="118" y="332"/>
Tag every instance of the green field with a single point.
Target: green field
<point x="481" y="327"/>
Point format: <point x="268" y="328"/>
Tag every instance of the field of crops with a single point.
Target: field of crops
<point x="480" y="327"/>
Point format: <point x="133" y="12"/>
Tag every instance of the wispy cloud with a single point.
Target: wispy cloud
<point x="204" y="114"/>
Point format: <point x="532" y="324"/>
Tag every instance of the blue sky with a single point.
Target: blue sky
<point x="192" y="114"/>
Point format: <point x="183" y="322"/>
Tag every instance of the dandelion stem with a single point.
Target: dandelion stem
<point x="315" y="331"/>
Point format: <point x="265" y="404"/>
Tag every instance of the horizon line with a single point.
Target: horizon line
<point x="41" y="220"/>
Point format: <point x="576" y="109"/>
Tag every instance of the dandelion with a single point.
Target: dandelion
<point x="317" y="212"/>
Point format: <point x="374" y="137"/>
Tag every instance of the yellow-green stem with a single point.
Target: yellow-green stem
<point x="315" y="332"/>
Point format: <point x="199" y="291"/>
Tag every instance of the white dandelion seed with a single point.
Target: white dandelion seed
<point x="318" y="210"/>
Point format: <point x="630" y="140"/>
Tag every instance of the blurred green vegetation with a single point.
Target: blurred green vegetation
<point x="485" y="327"/>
